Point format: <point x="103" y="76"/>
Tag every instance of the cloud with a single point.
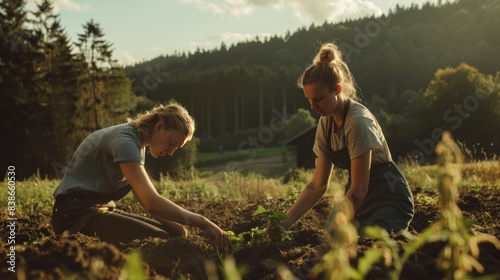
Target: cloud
<point x="228" y="39"/>
<point x="233" y="7"/>
<point x="334" y="10"/>
<point x="316" y="11"/>
<point x="206" y="5"/>
<point x="69" y="5"/>
<point x="126" y="58"/>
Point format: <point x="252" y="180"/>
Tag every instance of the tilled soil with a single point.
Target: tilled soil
<point x="40" y="254"/>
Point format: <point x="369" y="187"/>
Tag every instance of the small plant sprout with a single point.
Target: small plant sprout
<point x="256" y="235"/>
<point x="274" y="218"/>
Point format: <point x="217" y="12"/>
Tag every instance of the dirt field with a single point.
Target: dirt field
<point x="47" y="256"/>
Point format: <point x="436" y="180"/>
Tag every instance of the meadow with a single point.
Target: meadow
<point x="307" y="251"/>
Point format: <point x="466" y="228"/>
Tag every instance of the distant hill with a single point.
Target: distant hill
<point x="240" y="87"/>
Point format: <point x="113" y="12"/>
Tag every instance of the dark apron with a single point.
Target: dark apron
<point x="387" y="185"/>
<point x="72" y="210"/>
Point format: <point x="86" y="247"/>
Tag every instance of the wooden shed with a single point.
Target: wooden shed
<point x="304" y="142"/>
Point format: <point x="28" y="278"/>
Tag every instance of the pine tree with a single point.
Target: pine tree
<point x="111" y="99"/>
<point x="19" y="98"/>
<point x="97" y="53"/>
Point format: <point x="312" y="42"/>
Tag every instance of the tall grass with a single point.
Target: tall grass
<point x="35" y="194"/>
<point x="222" y="186"/>
<point x="475" y="174"/>
<point x="32" y="196"/>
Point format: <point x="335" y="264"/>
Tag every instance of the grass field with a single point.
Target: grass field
<point x="229" y="198"/>
<point x="215" y="183"/>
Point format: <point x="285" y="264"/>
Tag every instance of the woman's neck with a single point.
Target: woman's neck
<point x="338" y="112"/>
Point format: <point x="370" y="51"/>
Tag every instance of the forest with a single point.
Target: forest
<point x="420" y="69"/>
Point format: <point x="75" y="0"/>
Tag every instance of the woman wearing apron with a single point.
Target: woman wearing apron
<point x="349" y="137"/>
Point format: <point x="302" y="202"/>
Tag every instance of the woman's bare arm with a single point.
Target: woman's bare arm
<point x="360" y="177"/>
<point x="157" y="205"/>
<point x="311" y="193"/>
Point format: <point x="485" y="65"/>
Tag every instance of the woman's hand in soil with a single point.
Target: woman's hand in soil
<point x="217" y="236"/>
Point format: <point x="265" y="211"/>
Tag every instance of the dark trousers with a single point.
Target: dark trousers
<point x="76" y="213"/>
<point x="117" y="226"/>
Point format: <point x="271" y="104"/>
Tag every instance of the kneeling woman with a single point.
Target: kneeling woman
<point x="108" y="164"/>
<point x="349" y="137"/>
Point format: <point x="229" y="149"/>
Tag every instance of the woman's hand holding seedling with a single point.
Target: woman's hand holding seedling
<point x="274" y="227"/>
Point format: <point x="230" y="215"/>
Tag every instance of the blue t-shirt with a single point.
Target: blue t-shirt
<point x="95" y="166"/>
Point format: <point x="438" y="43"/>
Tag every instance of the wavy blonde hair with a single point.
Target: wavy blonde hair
<point x="329" y="68"/>
<point x="173" y="115"/>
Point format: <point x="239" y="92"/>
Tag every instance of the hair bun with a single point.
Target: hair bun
<point x="326" y="55"/>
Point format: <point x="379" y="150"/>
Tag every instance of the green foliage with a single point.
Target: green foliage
<point x="297" y="175"/>
<point x="258" y="235"/>
<point x="299" y="123"/>
<point x="254" y="237"/>
<point x="33" y="196"/>
<point x="459" y="98"/>
<point x="274" y="218"/>
<point x="457" y="259"/>
<point x="460" y="253"/>
<point x="58" y="95"/>
<point x="393" y="58"/>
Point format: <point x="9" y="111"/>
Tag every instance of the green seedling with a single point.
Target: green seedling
<point x="253" y="237"/>
<point x="256" y="235"/>
<point x="274" y="219"/>
<point x="237" y="241"/>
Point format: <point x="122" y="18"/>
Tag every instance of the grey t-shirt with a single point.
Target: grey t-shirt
<point x="95" y="165"/>
<point x="362" y="133"/>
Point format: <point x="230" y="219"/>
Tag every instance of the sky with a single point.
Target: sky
<point x="142" y="30"/>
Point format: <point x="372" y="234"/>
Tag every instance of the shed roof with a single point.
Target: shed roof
<point x="292" y="140"/>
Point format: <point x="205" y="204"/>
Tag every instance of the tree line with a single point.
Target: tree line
<point x="394" y="57"/>
<point x="54" y="92"/>
<point x="419" y="69"/>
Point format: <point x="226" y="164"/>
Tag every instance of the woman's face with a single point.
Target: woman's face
<point x="165" y="142"/>
<point x="320" y="97"/>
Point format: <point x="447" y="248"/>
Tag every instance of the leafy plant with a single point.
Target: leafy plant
<point x="460" y="253"/>
<point x="257" y="235"/>
<point x="461" y="250"/>
<point x="274" y="218"/>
